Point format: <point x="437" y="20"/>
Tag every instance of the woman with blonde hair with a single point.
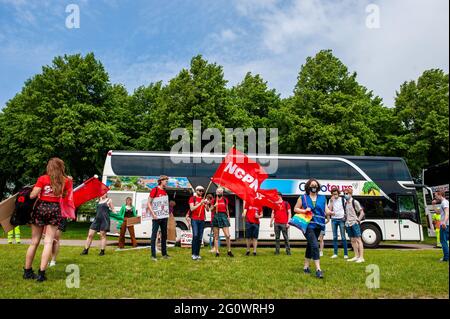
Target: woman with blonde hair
<point x="49" y="189"/>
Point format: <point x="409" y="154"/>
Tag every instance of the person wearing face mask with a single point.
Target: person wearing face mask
<point x="317" y="204"/>
<point x="352" y="224"/>
<point x="336" y="205"/>
<point x="221" y="220"/>
<point x="196" y="217"/>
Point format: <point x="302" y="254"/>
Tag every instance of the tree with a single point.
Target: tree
<point x="65" y="111"/>
<point x="422" y="109"/>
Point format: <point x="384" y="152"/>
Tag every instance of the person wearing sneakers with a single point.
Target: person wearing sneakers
<point x="281" y="217"/>
<point x="101" y="224"/>
<point x="252" y="215"/>
<point x="336" y="205"/>
<point x="15" y="231"/>
<point x="443" y="233"/>
<point x="196" y="217"/>
<point x="436" y="218"/>
<point x="159" y="199"/>
<point x="221" y="220"/>
<point x="352" y="224"/>
<point x="313" y="202"/>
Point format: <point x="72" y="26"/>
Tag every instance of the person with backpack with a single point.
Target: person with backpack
<point x="281" y="217"/>
<point x="316" y="203"/>
<point x="352" y="224"/>
<point x="252" y="214"/>
<point x="158" y="205"/>
<point x="221" y="220"/>
<point x="50" y="188"/>
<point x="196" y="217"/>
<point x="101" y="224"/>
<point x="15" y="231"/>
<point x="336" y="204"/>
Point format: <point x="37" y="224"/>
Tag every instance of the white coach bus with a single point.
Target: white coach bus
<point x="383" y="185"/>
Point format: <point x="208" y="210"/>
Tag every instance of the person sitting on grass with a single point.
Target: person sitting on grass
<point x="252" y="214"/>
<point x="352" y="224"/>
<point x="100" y="224"/>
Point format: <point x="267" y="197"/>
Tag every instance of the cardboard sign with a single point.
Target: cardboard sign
<point x="171" y="229"/>
<point x="186" y="238"/>
<point x="160" y="206"/>
<point x="133" y="221"/>
<point x="6" y="210"/>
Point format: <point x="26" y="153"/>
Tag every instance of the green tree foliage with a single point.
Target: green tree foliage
<point x="421" y="107"/>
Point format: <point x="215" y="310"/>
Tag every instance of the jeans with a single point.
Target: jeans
<point x="156" y="224"/>
<point x="197" y="235"/>
<point x="312" y="248"/>
<point x="444" y="241"/>
<point x="335" y="223"/>
<point x="281" y="228"/>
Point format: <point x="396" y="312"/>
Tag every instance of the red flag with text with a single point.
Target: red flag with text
<point x="240" y="174"/>
<point x="90" y="189"/>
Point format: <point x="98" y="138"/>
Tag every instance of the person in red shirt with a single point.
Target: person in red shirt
<point x="49" y="189"/>
<point x="252" y="215"/>
<point x="281" y="217"/>
<point x="196" y="217"/>
<point x="158" y="205"/>
<point x="221" y="220"/>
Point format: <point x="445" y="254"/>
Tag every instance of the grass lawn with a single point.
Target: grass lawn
<point x="131" y="274"/>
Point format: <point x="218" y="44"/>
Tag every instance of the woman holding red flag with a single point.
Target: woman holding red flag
<point x="221" y="220"/>
<point x="50" y="188"/>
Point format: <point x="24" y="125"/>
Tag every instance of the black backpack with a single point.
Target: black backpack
<point x="23" y="208"/>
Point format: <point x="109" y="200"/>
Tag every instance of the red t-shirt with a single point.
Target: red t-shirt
<point x="46" y="193"/>
<point x="221" y="206"/>
<point x="199" y="213"/>
<point x="250" y="217"/>
<point x="281" y="216"/>
<point x="157" y="192"/>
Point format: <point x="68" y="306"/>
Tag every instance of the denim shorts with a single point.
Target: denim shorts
<point x="251" y="230"/>
<point x="353" y="231"/>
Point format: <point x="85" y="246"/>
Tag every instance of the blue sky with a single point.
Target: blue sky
<point x="140" y="42"/>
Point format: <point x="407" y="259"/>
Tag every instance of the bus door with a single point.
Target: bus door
<point x="409" y="222"/>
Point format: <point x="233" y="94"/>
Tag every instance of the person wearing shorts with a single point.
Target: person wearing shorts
<point x="221" y="220"/>
<point x="252" y="214"/>
<point x="352" y="225"/>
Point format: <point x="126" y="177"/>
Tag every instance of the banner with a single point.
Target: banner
<point x="240" y="174"/>
<point x="67" y="203"/>
<point x="268" y="198"/>
<point x="90" y="189"/>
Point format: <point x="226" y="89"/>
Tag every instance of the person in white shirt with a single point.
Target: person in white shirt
<point x="336" y="205"/>
<point x="440" y="196"/>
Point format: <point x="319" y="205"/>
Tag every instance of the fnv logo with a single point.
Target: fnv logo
<point x="241" y="174"/>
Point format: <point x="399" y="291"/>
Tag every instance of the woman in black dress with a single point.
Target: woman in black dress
<point x="100" y="224"/>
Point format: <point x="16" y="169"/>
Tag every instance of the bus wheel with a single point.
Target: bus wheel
<point x="370" y="235"/>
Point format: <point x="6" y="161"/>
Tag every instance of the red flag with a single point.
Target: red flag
<point x="67" y="204"/>
<point x="268" y="198"/>
<point x="240" y="174"/>
<point x="90" y="189"/>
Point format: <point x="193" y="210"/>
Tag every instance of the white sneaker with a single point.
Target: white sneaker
<point x="321" y="254"/>
<point x="360" y="260"/>
<point x="52" y="263"/>
<point x="194" y="257"/>
<point x="345" y="257"/>
<point x="334" y="256"/>
<point x="353" y="259"/>
<point x="199" y="257"/>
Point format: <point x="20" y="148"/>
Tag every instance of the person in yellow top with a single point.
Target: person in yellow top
<point x="436" y="218"/>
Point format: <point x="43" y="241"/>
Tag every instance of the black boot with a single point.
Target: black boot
<point x="41" y="276"/>
<point x="102" y="252"/>
<point x="85" y="251"/>
<point x="29" y="274"/>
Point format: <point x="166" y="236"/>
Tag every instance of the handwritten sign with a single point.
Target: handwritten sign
<point x="160" y="206"/>
<point x="186" y="238"/>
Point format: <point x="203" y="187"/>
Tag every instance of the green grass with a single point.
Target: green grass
<point x="131" y="274"/>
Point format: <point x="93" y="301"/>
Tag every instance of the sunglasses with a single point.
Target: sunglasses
<point x="200" y="190"/>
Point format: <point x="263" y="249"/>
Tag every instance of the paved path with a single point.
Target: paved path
<point x="80" y="243"/>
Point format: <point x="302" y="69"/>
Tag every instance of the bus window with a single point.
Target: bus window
<point x="180" y="169"/>
<point x="128" y="165"/>
<point x="288" y="168"/>
<point x="384" y="170"/>
<point x="378" y="208"/>
<point x="335" y="170"/>
<point x="407" y="208"/>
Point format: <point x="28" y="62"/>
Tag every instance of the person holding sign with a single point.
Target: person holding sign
<point x="221" y="220"/>
<point x="196" y="217"/>
<point x="317" y="204"/>
<point x="127" y="211"/>
<point x="158" y="206"/>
